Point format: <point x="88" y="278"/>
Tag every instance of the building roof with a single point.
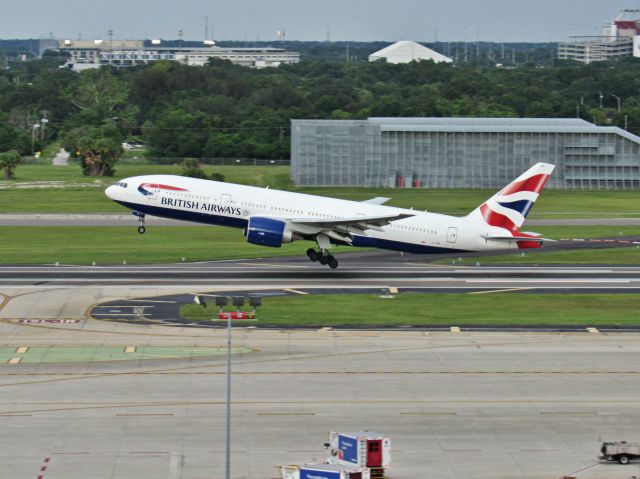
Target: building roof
<point x="408" y="51"/>
<point x="498" y="125"/>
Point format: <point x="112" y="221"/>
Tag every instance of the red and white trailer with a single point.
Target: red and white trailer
<point x="362" y="448"/>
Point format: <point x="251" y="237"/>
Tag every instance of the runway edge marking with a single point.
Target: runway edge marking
<point x="499" y="290"/>
<point x="295" y="291"/>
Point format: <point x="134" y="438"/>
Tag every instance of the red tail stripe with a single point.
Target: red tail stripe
<point x="533" y="184"/>
<point x="497" y="219"/>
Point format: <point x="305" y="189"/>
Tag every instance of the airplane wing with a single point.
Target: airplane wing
<point x="378" y="200"/>
<point x="344" y="224"/>
<point x="341" y="229"/>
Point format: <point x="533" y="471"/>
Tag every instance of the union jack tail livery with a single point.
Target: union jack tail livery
<point x="509" y="207"/>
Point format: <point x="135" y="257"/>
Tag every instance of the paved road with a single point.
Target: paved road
<point x="116" y="219"/>
<point x="456" y="405"/>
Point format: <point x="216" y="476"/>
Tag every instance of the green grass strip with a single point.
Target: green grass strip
<point x="442" y="309"/>
<point x="111" y="245"/>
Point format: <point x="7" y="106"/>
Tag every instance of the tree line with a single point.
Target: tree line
<point x="223" y="110"/>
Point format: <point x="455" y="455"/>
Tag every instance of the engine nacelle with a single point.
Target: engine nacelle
<point x="268" y="232"/>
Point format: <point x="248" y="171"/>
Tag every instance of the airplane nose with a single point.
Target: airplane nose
<point x="110" y="192"/>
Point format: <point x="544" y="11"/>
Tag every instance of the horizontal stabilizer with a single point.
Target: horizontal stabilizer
<point x="535" y="239"/>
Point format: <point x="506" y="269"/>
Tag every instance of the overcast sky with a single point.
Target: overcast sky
<point x="360" y="20"/>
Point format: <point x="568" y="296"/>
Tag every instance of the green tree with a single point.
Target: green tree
<point x="98" y="148"/>
<point x="100" y="96"/>
<point x="9" y="160"/>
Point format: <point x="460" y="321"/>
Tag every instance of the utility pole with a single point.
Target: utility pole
<point x="110" y="34"/>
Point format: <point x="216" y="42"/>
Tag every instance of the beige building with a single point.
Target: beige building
<point x="85" y="54"/>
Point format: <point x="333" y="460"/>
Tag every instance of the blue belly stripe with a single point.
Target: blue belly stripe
<point x="235" y="222"/>
<point x="368" y="242"/>
<point x="196" y="216"/>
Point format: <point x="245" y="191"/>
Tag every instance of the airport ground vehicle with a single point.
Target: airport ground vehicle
<point x="621" y="451"/>
<point x="324" y="471"/>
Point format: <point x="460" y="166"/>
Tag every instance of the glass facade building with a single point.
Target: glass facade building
<point x="461" y="152"/>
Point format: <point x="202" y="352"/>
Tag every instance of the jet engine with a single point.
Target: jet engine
<point x="265" y="231"/>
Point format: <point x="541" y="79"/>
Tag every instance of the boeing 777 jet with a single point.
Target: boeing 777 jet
<point x="273" y="217"/>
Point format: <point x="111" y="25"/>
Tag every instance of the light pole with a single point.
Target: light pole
<point x="33" y="138"/>
<point x="618" y="99"/>
<point x="221" y="302"/>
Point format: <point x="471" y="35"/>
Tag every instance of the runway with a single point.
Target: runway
<point x="371" y="269"/>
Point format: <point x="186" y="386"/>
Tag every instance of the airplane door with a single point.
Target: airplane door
<point x="152" y="198"/>
<point x="225" y="200"/>
<point x="452" y="235"/>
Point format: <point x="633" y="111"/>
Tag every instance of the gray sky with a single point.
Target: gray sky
<point x="390" y="20"/>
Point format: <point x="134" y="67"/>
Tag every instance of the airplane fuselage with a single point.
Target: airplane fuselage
<point x="227" y="204"/>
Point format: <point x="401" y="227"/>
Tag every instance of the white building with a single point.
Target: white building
<point x="619" y="39"/>
<point x="407" y="51"/>
<point x="126" y="53"/>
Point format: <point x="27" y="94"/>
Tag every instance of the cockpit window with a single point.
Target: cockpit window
<point x="121" y="184"/>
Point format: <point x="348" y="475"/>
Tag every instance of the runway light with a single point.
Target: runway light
<point x="238" y="301"/>
<point x="255" y="301"/>
<point x="222" y="301"/>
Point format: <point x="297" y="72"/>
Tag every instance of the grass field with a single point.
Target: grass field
<point x="442" y="309"/>
<point x="249" y="175"/>
<point x="83" y="194"/>
<point x="169" y="244"/>
<point x="110" y="245"/>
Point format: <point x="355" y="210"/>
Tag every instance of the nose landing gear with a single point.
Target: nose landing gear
<point x="322" y="257"/>
<point x="140" y="216"/>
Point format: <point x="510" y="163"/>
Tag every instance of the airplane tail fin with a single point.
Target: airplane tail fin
<point x="509" y="207"/>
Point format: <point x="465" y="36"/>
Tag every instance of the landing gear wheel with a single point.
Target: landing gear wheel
<point x="141" y="229"/>
<point x="324" y="260"/>
<point x="333" y="263"/>
<point x="312" y="254"/>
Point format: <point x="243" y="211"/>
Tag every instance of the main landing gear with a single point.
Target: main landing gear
<point x="322" y="257"/>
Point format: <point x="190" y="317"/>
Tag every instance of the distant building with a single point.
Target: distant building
<point x="85" y="54"/>
<point x="407" y="51"/>
<point x="461" y="152"/>
<point x="619" y="39"/>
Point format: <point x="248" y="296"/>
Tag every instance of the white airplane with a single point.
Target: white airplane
<point x="273" y="217"/>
